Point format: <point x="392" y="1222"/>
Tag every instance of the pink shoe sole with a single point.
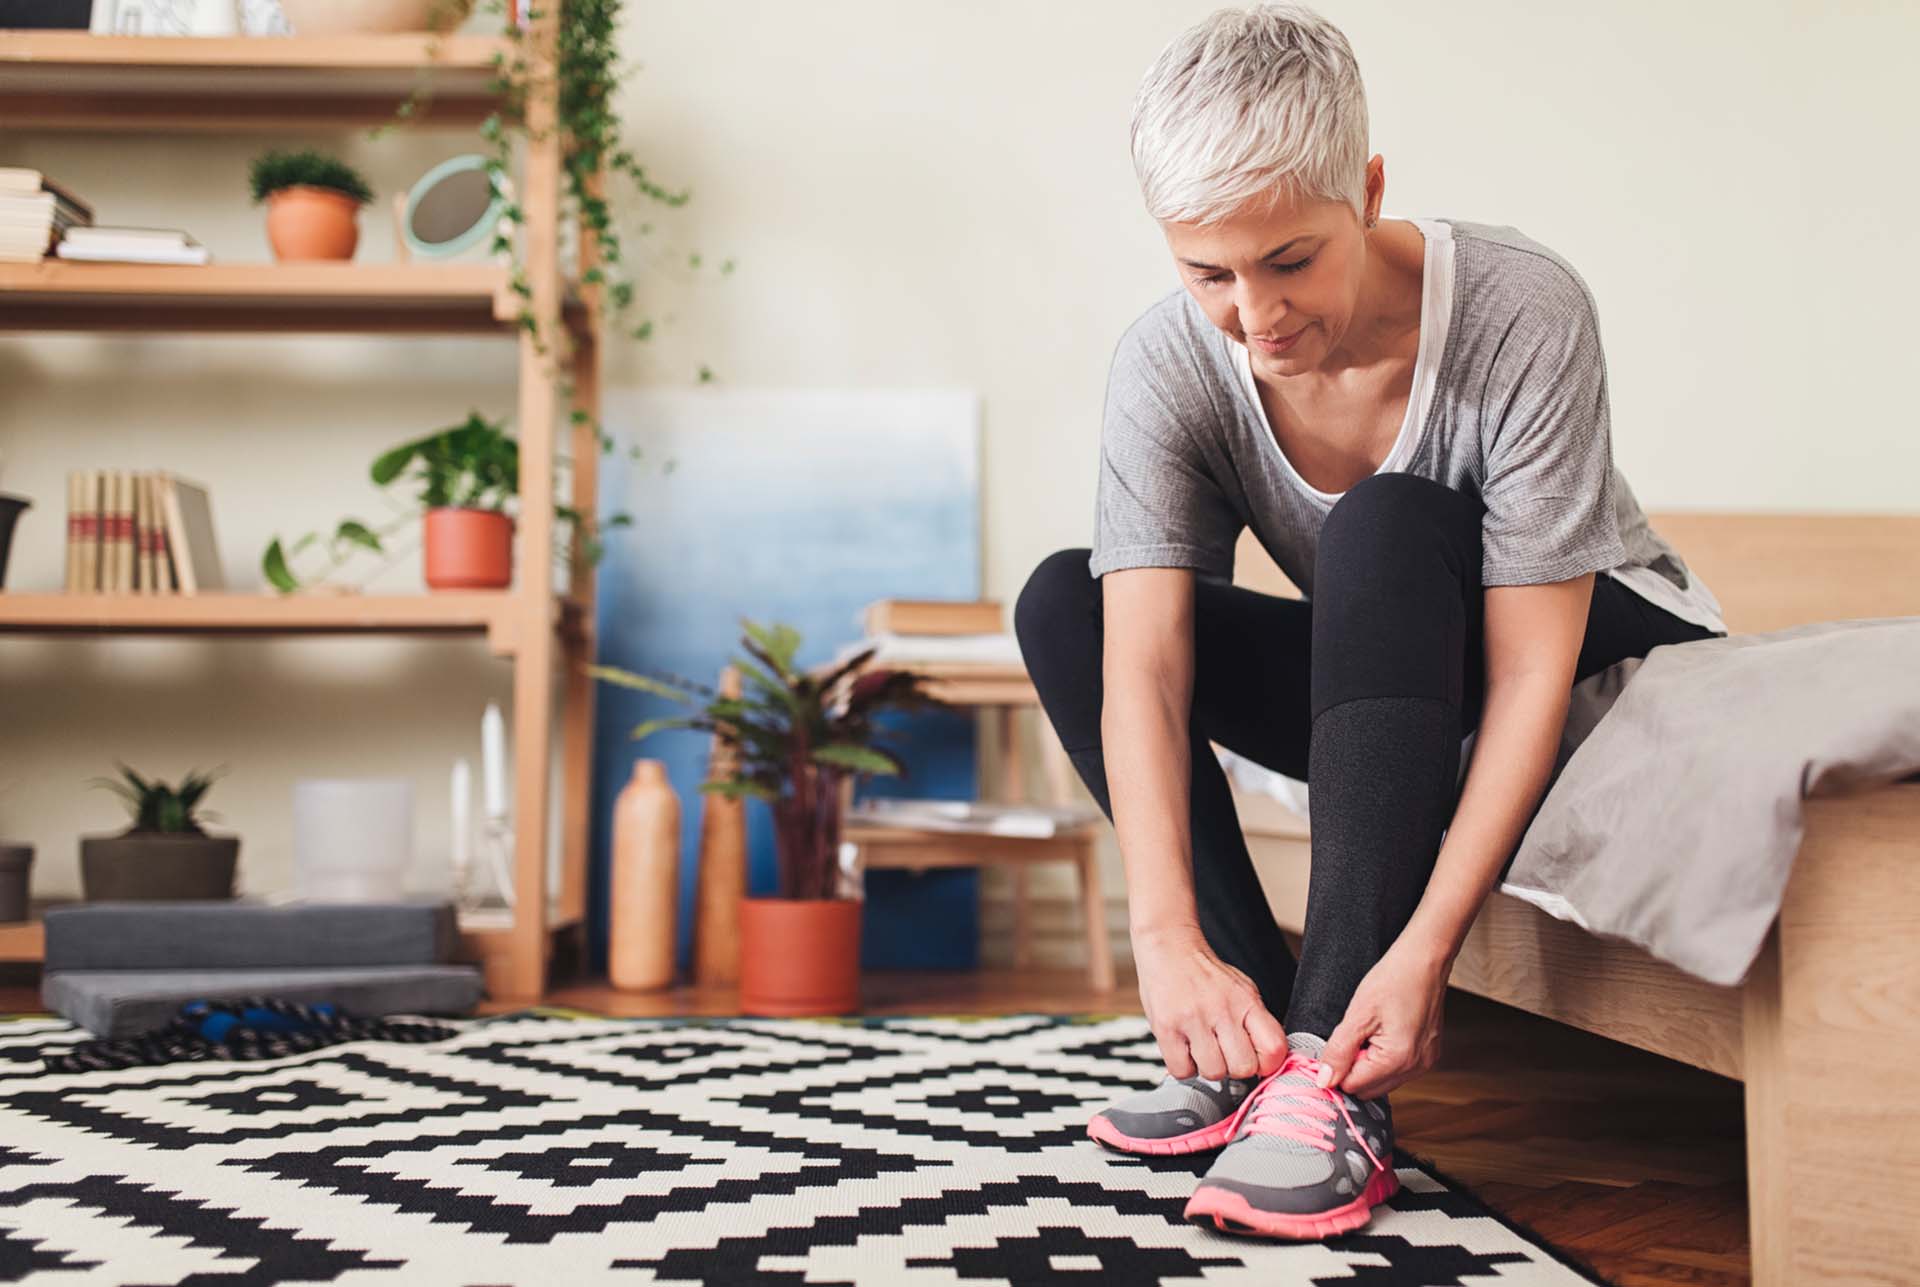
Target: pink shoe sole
<point x="1232" y="1213"/>
<point x="1214" y="1136"/>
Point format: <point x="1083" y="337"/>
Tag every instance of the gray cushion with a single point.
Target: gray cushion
<point x="116" y="1003"/>
<point x="238" y="934"/>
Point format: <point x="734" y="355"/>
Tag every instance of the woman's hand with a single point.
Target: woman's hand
<point x="1396" y="1013"/>
<point x="1206" y="1015"/>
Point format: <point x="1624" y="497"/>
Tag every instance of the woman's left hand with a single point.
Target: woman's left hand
<point x="1396" y="1016"/>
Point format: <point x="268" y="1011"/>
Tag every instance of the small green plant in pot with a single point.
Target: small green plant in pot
<point x="795" y="738"/>
<point x="465" y="476"/>
<point x="313" y="203"/>
<point x="165" y="853"/>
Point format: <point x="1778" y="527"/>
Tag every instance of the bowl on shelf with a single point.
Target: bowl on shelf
<point x="367" y="17"/>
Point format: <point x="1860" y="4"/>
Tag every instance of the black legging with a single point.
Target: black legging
<point x="1365" y="694"/>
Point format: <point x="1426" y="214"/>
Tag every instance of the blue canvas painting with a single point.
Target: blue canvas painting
<point x="799" y="507"/>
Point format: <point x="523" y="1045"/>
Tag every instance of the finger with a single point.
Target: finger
<point x="1269" y="1039"/>
<point x="1206" y="1052"/>
<point x="1236" y="1050"/>
<point x="1173" y="1052"/>
<point x="1343" y="1047"/>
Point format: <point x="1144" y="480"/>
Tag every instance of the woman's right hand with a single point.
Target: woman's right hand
<point x="1206" y="1015"/>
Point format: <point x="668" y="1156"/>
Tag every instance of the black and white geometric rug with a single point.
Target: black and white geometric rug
<point x="553" y="1147"/>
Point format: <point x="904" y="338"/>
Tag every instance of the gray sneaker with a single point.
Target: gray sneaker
<point x="1301" y="1161"/>
<point x="1180" y="1115"/>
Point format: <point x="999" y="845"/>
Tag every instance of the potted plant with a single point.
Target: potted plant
<point x="165" y="853"/>
<point x="467" y="474"/>
<point x="796" y="740"/>
<point x="313" y="203"/>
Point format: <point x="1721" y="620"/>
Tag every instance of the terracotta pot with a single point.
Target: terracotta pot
<point x="469" y="549"/>
<point x="799" y="956"/>
<point x="352" y="17"/>
<point x="312" y="223"/>
<point x="150" y="865"/>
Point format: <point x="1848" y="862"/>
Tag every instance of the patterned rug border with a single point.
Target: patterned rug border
<point x="1520" y="1229"/>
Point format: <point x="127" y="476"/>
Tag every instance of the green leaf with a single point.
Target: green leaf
<point x="274" y="566"/>
<point x="779" y="642"/>
<point x="649" y="727"/>
<point x="359" y="533"/>
<point x="864" y="759"/>
<point x="645" y="683"/>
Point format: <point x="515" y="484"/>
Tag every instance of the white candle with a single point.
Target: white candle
<point x="493" y="761"/>
<point x="462" y="815"/>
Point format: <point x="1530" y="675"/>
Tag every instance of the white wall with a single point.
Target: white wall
<point x="940" y="194"/>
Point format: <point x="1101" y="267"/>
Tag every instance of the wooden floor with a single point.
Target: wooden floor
<point x="1632" y="1162"/>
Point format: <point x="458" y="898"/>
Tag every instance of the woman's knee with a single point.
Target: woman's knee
<point x="1060" y="596"/>
<point x="1384" y="519"/>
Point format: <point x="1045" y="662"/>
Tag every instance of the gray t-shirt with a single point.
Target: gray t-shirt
<point x="1509" y="405"/>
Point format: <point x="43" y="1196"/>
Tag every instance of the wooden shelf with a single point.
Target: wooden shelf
<point x="494" y="613"/>
<point x="71" y="80"/>
<point x="436" y="299"/>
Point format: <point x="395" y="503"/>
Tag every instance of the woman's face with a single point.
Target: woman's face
<point x="1292" y="273"/>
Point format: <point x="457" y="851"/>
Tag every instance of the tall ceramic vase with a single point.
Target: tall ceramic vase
<point x="801" y="955"/>
<point x="645" y="881"/>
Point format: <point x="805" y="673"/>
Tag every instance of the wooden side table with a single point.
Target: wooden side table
<point x="1005" y="689"/>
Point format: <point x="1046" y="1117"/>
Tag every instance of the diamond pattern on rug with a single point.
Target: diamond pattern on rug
<point x="551" y="1147"/>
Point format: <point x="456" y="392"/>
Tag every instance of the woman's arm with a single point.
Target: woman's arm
<point x="1533" y="636"/>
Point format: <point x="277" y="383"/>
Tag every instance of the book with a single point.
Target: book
<point x="907" y="650"/>
<point x="19" y="180"/>
<point x="96" y="232"/>
<point x="71" y="581"/>
<point x="131" y="254"/>
<point x="190" y="540"/>
<point x="933" y="617"/>
<point x="1032" y="821"/>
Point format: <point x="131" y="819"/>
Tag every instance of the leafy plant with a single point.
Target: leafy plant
<point x="588" y="75"/>
<point x="272" y="171"/>
<point x="471" y="465"/>
<point x="791" y="736"/>
<point x="155" y="806"/>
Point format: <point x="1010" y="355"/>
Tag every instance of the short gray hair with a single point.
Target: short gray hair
<point x="1266" y="100"/>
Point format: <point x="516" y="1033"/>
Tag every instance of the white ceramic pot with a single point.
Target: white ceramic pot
<point x="355" y="17"/>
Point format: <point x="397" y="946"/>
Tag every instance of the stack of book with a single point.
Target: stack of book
<point x="1032" y="821"/>
<point x="926" y="631"/>
<point x="139" y="532"/>
<point x="102" y="243"/>
<point x="35" y="212"/>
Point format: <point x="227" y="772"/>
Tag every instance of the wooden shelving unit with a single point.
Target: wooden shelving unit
<point x="72" y="80"/>
<point x="421" y="299"/>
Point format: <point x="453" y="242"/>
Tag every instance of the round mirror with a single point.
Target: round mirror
<point x="453" y="208"/>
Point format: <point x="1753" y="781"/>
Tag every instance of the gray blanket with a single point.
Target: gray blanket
<point x="1675" y="811"/>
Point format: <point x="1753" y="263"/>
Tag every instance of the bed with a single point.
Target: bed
<point x="1825" y="1030"/>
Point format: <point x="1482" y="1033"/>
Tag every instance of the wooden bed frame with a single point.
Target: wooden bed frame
<point x="1825" y="1030"/>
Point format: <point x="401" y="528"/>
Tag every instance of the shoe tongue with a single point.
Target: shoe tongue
<point x="1309" y="1046"/>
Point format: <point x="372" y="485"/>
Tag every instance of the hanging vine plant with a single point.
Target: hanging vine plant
<point x="589" y="74"/>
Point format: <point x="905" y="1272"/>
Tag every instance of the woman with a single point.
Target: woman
<point x="1411" y="415"/>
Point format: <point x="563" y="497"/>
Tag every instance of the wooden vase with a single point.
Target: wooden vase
<point x="645" y="881"/>
<point x="721" y="877"/>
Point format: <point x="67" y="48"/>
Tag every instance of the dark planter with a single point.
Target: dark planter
<point x="16" y="864"/>
<point x="10" y="507"/>
<point x="158" y="865"/>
